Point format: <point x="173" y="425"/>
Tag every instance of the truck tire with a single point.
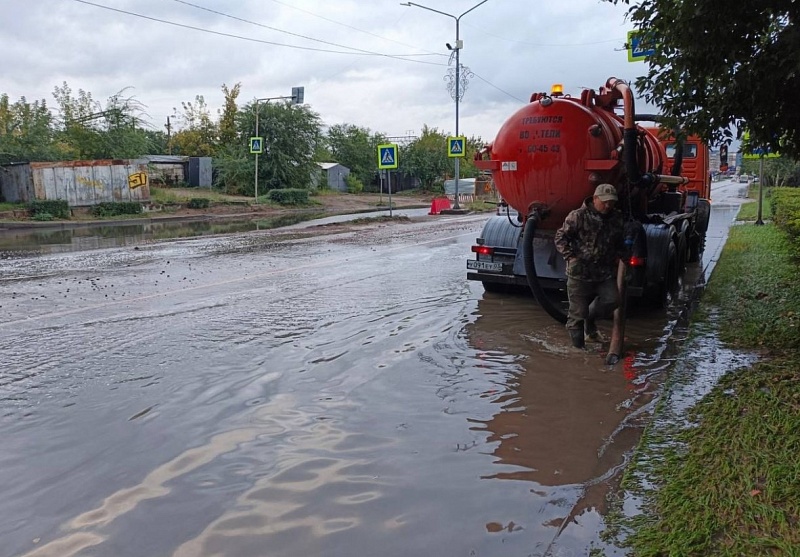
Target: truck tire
<point x="682" y="252"/>
<point x="697" y="242"/>
<point x="696" y="246"/>
<point x="657" y="295"/>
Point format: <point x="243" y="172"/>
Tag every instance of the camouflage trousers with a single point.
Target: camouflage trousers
<point x="590" y="299"/>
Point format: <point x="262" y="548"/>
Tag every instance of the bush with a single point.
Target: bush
<point x="786" y="212"/>
<point x="354" y="185"/>
<point x="40" y="216"/>
<point x="115" y="208"/>
<point x="198" y="203"/>
<point x="289" y="196"/>
<point x="54" y="208"/>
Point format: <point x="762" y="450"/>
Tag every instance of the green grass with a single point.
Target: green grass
<point x="173" y="196"/>
<point x="11" y="206"/>
<point x="729" y="485"/>
<point x="756" y="287"/>
<point x="163" y="196"/>
<point x="481" y="206"/>
<point x="749" y="210"/>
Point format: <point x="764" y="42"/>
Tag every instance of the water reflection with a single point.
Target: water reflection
<point x="562" y="408"/>
<point x="15" y="242"/>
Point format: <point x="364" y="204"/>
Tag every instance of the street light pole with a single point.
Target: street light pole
<point x="457" y="48"/>
<point x="255" y="180"/>
<point x="297" y="97"/>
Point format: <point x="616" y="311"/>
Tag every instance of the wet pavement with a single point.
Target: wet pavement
<point x="268" y="393"/>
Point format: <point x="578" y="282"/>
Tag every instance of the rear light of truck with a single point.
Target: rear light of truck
<point x="636" y="261"/>
<point x="483" y="250"/>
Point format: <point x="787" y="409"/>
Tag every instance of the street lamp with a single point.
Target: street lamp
<point x="457" y="48"/>
<point x="297" y="97"/>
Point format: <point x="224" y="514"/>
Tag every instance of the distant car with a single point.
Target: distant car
<point x="755" y="178"/>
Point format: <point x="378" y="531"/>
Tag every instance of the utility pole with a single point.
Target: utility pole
<point x="169" y="137"/>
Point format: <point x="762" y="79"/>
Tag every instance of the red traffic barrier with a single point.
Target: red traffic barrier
<point x="438" y="204"/>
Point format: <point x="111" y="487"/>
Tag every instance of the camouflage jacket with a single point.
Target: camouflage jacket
<point x="591" y="242"/>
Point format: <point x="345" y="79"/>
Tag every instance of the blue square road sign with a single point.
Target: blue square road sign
<point x="456" y="146"/>
<point x="387" y="156"/>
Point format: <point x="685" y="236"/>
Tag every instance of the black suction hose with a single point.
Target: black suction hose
<point x="530" y="271"/>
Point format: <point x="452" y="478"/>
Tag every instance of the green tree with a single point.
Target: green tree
<point x="124" y="136"/>
<point x="467" y="165"/>
<point x="26" y="131"/>
<point x="78" y="136"/>
<point x="723" y="64"/>
<point x="426" y="158"/>
<point x="198" y="136"/>
<point x="228" y="134"/>
<point x="89" y="131"/>
<point x="291" y="135"/>
<point x="778" y="171"/>
<point x="356" y="148"/>
<point x="157" y="141"/>
<point x="234" y="167"/>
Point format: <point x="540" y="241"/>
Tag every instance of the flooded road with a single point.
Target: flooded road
<point x="271" y="393"/>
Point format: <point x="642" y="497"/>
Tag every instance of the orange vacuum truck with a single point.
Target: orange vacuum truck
<point x="550" y="155"/>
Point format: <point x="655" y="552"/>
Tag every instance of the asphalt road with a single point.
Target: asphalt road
<point x="284" y="393"/>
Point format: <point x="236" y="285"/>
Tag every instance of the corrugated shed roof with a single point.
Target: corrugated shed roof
<point x="165" y="159"/>
<point x="328" y="165"/>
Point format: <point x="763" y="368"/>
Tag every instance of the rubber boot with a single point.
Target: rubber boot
<point x="577" y="338"/>
<point x="591" y="332"/>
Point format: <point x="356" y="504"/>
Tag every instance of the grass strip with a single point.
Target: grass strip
<point x="730" y="483"/>
<point x="749" y="210"/>
<point x="756" y="291"/>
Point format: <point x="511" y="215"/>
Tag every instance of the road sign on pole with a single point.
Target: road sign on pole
<point x="387" y="156"/>
<point x="256" y="145"/>
<point x="638" y="50"/>
<point x="456" y="146"/>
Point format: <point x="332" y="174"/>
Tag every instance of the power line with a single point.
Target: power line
<point x="349" y="26"/>
<point x="498" y="88"/>
<point x="352" y="50"/>
<point x="291" y="33"/>
<point x="403" y="57"/>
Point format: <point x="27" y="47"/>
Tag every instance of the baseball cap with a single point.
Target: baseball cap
<point x="606" y="192"/>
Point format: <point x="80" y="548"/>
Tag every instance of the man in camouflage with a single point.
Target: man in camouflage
<point x="591" y="240"/>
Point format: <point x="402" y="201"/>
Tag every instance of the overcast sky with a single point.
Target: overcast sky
<point x="372" y="63"/>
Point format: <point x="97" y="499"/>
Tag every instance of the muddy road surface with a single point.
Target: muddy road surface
<point x="281" y="393"/>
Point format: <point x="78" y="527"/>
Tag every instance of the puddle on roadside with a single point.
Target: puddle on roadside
<point x="569" y="425"/>
<point x="703" y="362"/>
<point x="30" y="241"/>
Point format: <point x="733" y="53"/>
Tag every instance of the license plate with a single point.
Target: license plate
<point x="484" y="266"/>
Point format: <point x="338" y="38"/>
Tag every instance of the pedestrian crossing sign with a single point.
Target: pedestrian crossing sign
<point x="638" y="49"/>
<point x="256" y="145"/>
<point x="387" y="156"/>
<point x="455" y="146"/>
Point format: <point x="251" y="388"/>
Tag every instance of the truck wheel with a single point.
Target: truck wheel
<point x="682" y="253"/>
<point x="672" y="276"/>
<point x="696" y="247"/>
<point x="658" y="294"/>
